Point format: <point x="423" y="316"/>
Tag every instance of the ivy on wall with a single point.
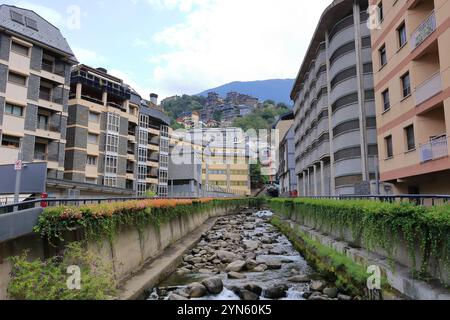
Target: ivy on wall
<point x="379" y="225"/>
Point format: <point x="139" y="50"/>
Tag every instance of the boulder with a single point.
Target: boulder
<point x="277" y="291"/>
<point x="274" y="265"/>
<point x="247" y="295"/>
<point x="213" y="285"/>
<point x="251" y="245"/>
<point x="236" y="275"/>
<point x="197" y="290"/>
<point x="251" y="264"/>
<point x="253" y="288"/>
<point x="236" y="266"/>
<point x="176" y="297"/>
<point x="226" y="257"/>
<point x="266" y="240"/>
<point x="331" y="292"/>
<point x="317" y="285"/>
<point x="260" y="268"/>
<point x="299" y="279"/>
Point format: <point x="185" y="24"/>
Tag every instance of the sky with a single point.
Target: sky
<point x="174" y="47"/>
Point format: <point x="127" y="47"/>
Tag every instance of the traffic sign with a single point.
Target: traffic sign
<point x="18" y="165"/>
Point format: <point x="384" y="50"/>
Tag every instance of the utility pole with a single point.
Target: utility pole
<point x="18" y="167"/>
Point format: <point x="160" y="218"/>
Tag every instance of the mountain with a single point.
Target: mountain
<point x="278" y="90"/>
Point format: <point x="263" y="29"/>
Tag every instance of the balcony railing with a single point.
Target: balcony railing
<point x="115" y="105"/>
<point x="423" y="31"/>
<point x="40" y="156"/>
<point x="436" y="149"/>
<point x="47" y="127"/>
<point x="429" y="88"/>
<point x="43" y="95"/>
<point x="50" y="67"/>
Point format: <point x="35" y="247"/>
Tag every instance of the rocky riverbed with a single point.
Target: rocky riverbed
<point x="244" y="257"/>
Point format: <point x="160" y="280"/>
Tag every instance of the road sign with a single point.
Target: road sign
<point x="18" y="165"/>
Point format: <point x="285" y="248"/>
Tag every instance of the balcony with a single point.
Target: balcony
<point x="423" y="31"/>
<point x="429" y="88"/>
<point x="47" y="96"/>
<point x="47" y="127"/>
<point x="436" y="149"/>
<point x="116" y="106"/>
<point x="40" y="156"/>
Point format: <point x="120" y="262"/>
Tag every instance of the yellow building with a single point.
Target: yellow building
<point x="411" y="63"/>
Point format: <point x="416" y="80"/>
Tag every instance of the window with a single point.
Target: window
<point x="143" y="121"/>
<point x="42" y="122"/>
<point x="45" y="93"/>
<point x="17" y="17"/>
<point x="92" y="138"/>
<point x="406" y="85"/>
<point x="32" y="24"/>
<point x="142" y="188"/>
<point x="143" y="137"/>
<point x="112" y="143"/>
<point x="113" y="122"/>
<point x="17" y="79"/>
<point x="91" y="180"/>
<point x="94" y="117"/>
<point x="111" y="164"/>
<point x="142" y="172"/>
<point x="10" y="141"/>
<point x="91" y="161"/>
<point x="142" y="155"/>
<point x="164" y="161"/>
<point x="410" y="138"/>
<point x="383" y="55"/>
<point x="14" y="110"/>
<point x="20" y="48"/>
<point x="386" y="100"/>
<point x="380" y="12"/>
<point x="163" y="177"/>
<point x="389" y="147"/>
<point x="110" y="182"/>
<point x="402" y="35"/>
<point x="40" y="152"/>
<point x="47" y="64"/>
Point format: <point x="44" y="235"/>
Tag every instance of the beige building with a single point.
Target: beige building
<point x="411" y="63"/>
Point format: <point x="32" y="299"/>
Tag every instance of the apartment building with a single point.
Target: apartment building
<point x="115" y="138"/>
<point x="411" y="46"/>
<point x="335" y="124"/>
<point x="286" y="156"/>
<point x="35" y="62"/>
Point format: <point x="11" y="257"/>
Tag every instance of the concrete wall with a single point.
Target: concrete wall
<point x="128" y="253"/>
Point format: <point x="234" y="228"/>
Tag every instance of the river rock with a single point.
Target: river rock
<point x="277" y="291"/>
<point x="266" y="240"/>
<point x="226" y="257"/>
<point x="260" y="268"/>
<point x="236" y="275"/>
<point x="197" y="290"/>
<point x="344" y="297"/>
<point x="251" y="264"/>
<point x="196" y="260"/>
<point x="274" y="265"/>
<point x="251" y="245"/>
<point x="254" y="288"/>
<point x="176" y="297"/>
<point x="331" y="292"/>
<point x="247" y="295"/>
<point x="299" y="279"/>
<point x="213" y="285"/>
<point x="236" y="266"/>
<point x="317" y="285"/>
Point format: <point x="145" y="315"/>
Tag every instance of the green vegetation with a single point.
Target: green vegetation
<point x="347" y="275"/>
<point x="105" y="221"/>
<point x="47" y="280"/>
<point x="264" y="118"/>
<point x="177" y="105"/>
<point x="379" y="225"/>
<point x="257" y="179"/>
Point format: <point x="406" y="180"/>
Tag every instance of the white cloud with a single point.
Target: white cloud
<point x="182" y="5"/>
<point x="227" y="40"/>
<point x="88" y="57"/>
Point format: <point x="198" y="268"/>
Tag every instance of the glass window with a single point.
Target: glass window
<point x="389" y="147"/>
<point x="380" y="12"/>
<point x="402" y="35"/>
<point x="142" y="172"/>
<point x="410" y="138"/>
<point x="110" y="182"/>
<point x="10" y="141"/>
<point x="93" y="138"/>
<point x="20" y="48"/>
<point x="91" y="160"/>
<point x="386" y="100"/>
<point x="143" y="137"/>
<point x="112" y="143"/>
<point x="113" y="122"/>
<point x="383" y="55"/>
<point x="94" y="117"/>
<point x="406" y="85"/>
<point x="17" y="78"/>
<point x="14" y="110"/>
<point x="42" y="122"/>
<point x="111" y="164"/>
<point x="142" y="155"/>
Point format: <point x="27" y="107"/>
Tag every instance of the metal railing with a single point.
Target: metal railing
<point x="48" y="127"/>
<point x="423" y="31"/>
<point x="418" y="199"/>
<point x="436" y="149"/>
<point x="428" y="88"/>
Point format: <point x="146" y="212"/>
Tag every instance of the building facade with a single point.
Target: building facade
<point x="35" y="62"/>
<point x="335" y="124"/>
<point x="411" y="48"/>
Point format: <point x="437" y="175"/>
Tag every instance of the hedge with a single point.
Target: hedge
<point x="378" y="224"/>
<point x="103" y="221"/>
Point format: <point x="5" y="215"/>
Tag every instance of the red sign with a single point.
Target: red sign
<point x="18" y="165"/>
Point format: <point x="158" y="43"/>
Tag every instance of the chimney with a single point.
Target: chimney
<point x="154" y="98"/>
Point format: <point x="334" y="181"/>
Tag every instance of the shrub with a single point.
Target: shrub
<point x="47" y="280"/>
